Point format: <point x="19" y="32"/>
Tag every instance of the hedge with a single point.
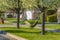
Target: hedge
<point x="52" y="18"/>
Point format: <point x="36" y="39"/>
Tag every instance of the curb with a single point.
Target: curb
<point x="15" y="37"/>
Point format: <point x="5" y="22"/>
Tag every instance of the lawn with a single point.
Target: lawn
<point x="53" y="26"/>
<point x="14" y="20"/>
<point x="32" y="34"/>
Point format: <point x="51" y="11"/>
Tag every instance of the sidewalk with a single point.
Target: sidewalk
<point x="15" y="37"/>
<point x="4" y="37"/>
<point x="8" y="36"/>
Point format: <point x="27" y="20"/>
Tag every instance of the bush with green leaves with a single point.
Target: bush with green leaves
<point x="51" y="11"/>
<point x="9" y="16"/>
<point x="15" y="21"/>
<point x="22" y="22"/>
<point x="10" y="19"/>
<point x="32" y="23"/>
<point x="52" y="18"/>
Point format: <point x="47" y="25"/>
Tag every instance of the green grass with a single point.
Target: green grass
<point x="53" y="26"/>
<point x="6" y="22"/>
<point x="32" y="34"/>
<point x="10" y="18"/>
<point x="14" y="20"/>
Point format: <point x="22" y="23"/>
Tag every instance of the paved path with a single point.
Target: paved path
<point x="14" y="25"/>
<point x="10" y="25"/>
<point x="4" y="37"/>
<point x="8" y="36"/>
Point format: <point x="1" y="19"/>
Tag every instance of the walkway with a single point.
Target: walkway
<point x="4" y="37"/>
<point x="8" y="36"/>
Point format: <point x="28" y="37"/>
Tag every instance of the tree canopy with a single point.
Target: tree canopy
<point x="3" y="5"/>
<point x="28" y="4"/>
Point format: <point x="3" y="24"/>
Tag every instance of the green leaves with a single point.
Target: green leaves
<point x="51" y="3"/>
<point x="3" y="5"/>
<point x="12" y="3"/>
<point x="28" y="4"/>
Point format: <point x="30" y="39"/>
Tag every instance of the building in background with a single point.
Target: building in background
<point x="58" y="15"/>
<point x="31" y="15"/>
<point x="27" y="15"/>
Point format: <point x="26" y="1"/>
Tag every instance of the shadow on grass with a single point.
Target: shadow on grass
<point x="21" y="31"/>
<point x="53" y="32"/>
<point x="33" y="31"/>
<point x="29" y="32"/>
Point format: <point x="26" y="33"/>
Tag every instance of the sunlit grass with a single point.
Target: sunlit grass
<point x="32" y="34"/>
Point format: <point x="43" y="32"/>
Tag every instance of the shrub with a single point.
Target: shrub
<point x="35" y="23"/>
<point x="15" y="21"/>
<point x="51" y="11"/>
<point x="52" y="18"/>
<point x="9" y="16"/>
<point x="22" y="22"/>
<point x="11" y="19"/>
<point x="31" y="21"/>
<point x="39" y="21"/>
